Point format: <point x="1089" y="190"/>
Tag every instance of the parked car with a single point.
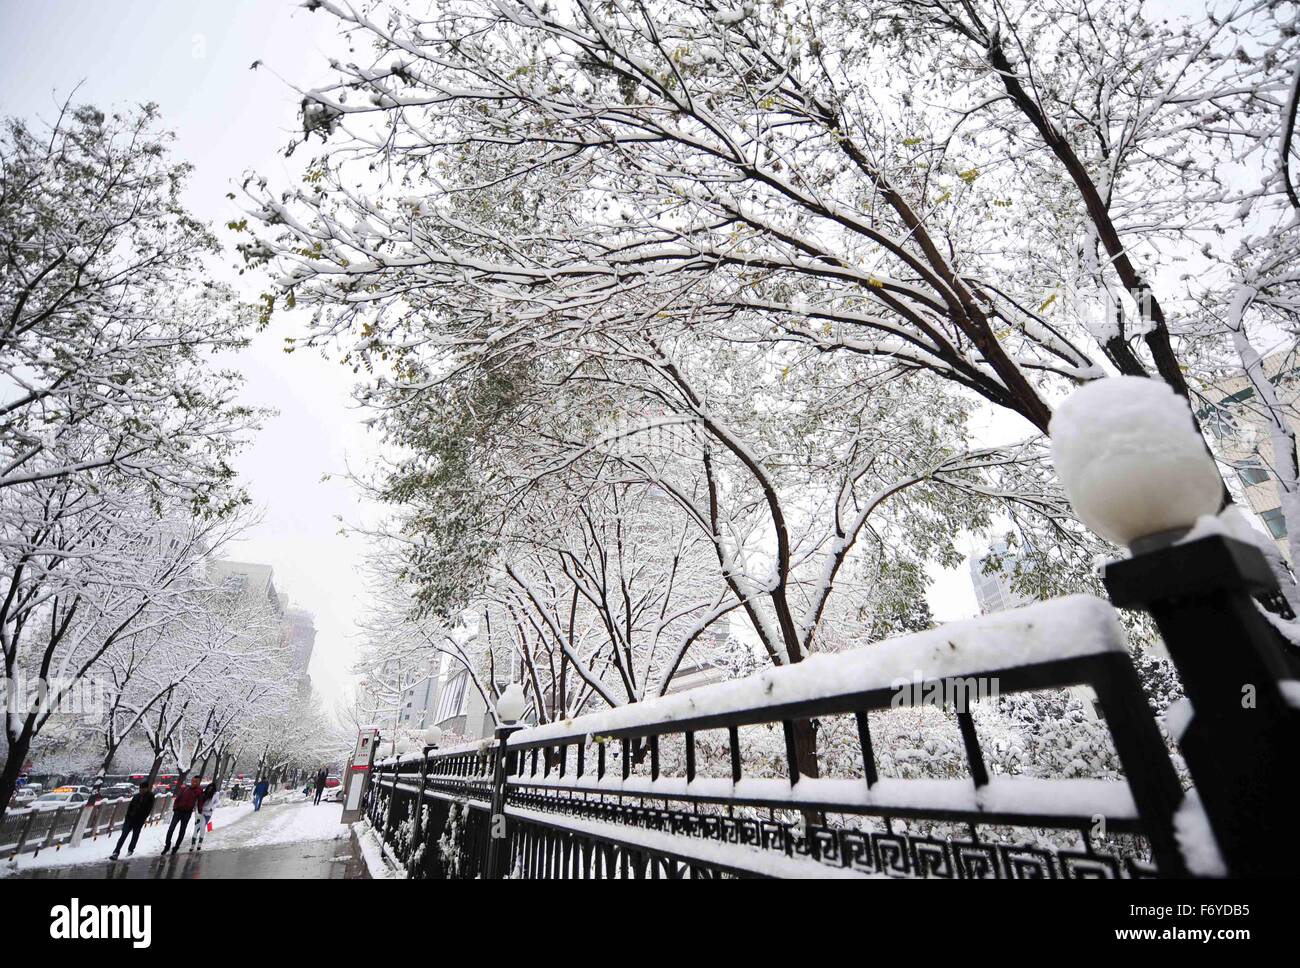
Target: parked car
<point x="23" y="797"/>
<point x="333" y="794"/>
<point x="57" y="800"/>
<point x="119" y="790"/>
<point x="331" y="781"/>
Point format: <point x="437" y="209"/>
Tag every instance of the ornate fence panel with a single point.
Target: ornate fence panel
<point x="617" y="793"/>
<point x="447" y="837"/>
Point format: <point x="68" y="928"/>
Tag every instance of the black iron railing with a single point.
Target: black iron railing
<point x="627" y="792"/>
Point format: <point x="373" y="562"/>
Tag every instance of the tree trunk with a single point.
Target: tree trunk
<point x="805" y="757"/>
<point x="805" y="747"/>
<point x="104" y="767"/>
<point x="17" y="756"/>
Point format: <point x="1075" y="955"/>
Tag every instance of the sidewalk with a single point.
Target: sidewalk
<point x="282" y="840"/>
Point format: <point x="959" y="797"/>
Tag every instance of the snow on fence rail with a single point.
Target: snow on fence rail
<point x="593" y="797"/>
<point x="34" y="830"/>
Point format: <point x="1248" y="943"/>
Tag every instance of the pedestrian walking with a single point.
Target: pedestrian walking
<point x="259" y="791"/>
<point x="207" y="804"/>
<point x="321" y="776"/>
<point x="187" y="798"/>
<point x="137" y="812"/>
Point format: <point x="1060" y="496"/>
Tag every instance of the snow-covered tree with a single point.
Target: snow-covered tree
<point x="116" y="432"/>
<point x="224" y="648"/>
<point x="105" y="315"/>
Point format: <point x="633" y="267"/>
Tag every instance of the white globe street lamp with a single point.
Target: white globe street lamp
<point x="1131" y="462"/>
<point x="510" y="706"/>
<point x="432" y="736"/>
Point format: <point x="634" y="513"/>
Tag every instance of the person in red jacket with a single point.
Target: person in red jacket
<point x="187" y="798"/>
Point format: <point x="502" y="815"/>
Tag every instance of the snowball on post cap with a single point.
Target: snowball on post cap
<point x="1131" y="462"/>
<point x="510" y="706"/>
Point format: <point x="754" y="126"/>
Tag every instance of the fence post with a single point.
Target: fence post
<point x="1241" y="743"/>
<point x="27" y="829"/>
<point x="49" y="834"/>
<point x="392" y="802"/>
<point x="1151" y="777"/>
<point x="416" y="825"/>
<point x="88" y="816"/>
<point x="498" y="860"/>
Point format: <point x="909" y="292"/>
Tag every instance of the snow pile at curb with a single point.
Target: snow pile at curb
<point x="372" y="851"/>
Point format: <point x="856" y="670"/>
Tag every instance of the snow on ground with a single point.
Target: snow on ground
<point x="151" y="841"/>
<point x="372" y="852"/>
<point x="288" y="823"/>
<point x="233" y="826"/>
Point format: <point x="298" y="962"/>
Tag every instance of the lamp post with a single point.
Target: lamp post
<point x="509" y="710"/>
<point x="432" y="737"/>
<point x="400" y="747"/>
<point x="1136" y="471"/>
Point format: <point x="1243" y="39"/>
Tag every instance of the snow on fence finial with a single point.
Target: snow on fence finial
<point x="510" y="706"/>
<point x="1130" y="459"/>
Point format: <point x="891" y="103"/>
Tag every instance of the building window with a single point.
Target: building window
<point x="1252" y="475"/>
<point x="1220" y="424"/>
<point x="453" y="698"/>
<point x="1275" y="522"/>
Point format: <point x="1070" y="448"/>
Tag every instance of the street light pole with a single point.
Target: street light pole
<point x="432" y="737"/>
<point x="1137" y="472"/>
<point x="509" y="710"/>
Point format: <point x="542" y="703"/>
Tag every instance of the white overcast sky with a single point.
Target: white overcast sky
<point x="193" y="59"/>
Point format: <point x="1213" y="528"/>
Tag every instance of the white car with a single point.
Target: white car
<point x="54" y="801"/>
<point x="333" y="794"/>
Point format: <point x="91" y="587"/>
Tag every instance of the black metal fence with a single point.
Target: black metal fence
<point x="623" y="793"/>
<point x="636" y="792"/>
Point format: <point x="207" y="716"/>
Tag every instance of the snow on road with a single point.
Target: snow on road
<point x="288" y="823"/>
<point x="233" y="826"/>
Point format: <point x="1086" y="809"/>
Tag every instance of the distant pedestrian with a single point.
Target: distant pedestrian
<point x="187" y="798"/>
<point x="259" y="791"/>
<point x="207" y="804"/>
<point x="137" y="812"/>
<point x="321" y="776"/>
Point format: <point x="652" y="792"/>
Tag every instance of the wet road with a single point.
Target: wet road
<point x="313" y="859"/>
